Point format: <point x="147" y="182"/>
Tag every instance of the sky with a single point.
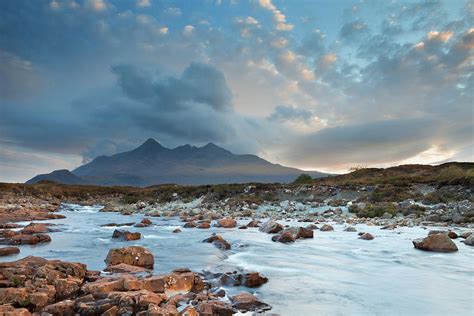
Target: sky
<point x="315" y="84"/>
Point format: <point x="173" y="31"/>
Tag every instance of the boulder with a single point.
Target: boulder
<point x="190" y="224"/>
<point x="252" y="279"/>
<point x="125" y="235"/>
<point x="8" y="310"/>
<point x="144" y="223"/>
<point x="435" y="242"/>
<point x="217" y="308"/>
<point x="253" y="223"/>
<point x="469" y="240"/>
<point x="452" y="235"/>
<point x="117" y="225"/>
<point x="466" y="234"/>
<point x="271" y="227"/>
<point x="35" y="228"/>
<point x="6" y="251"/>
<point x="26" y="239"/>
<point x="64" y="308"/>
<point x="125" y="268"/>
<point x="284" y="237"/>
<point x="176" y="230"/>
<point x="218" y="241"/>
<point x="247" y="302"/>
<point x="366" y="236"/>
<point x="134" y="255"/>
<point x="204" y="225"/>
<point x="351" y="229"/>
<point x="326" y="228"/>
<point x="227" y="222"/>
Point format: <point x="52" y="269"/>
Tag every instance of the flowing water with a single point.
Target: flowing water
<point x="333" y="274"/>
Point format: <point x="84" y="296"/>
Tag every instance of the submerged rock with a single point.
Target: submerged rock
<point x="218" y="241"/>
<point x="436" y="242"/>
<point x="26" y="239"/>
<point x="144" y="223"/>
<point x="350" y="229"/>
<point x="326" y="228"/>
<point x="271" y="227"/>
<point x="134" y="255"/>
<point x="366" y="236"/>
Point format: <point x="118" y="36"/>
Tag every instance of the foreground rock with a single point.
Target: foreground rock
<point x="125" y="235"/>
<point x="469" y="240"/>
<point x="247" y="302"/>
<point x="6" y="251"/>
<point x="271" y="227"/>
<point x="134" y="256"/>
<point x="218" y="241"/>
<point x="366" y="236"/>
<point x="436" y="242"/>
<point x="27" y="239"/>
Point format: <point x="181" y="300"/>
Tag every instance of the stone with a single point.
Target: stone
<point x="469" y="240"/>
<point x="284" y="237"/>
<point x="176" y="230"/>
<point x="125" y="235"/>
<point x="63" y="308"/>
<point x="190" y="224"/>
<point x="125" y="268"/>
<point x="326" y="228"/>
<point x="252" y="279"/>
<point x="245" y="302"/>
<point x="204" y="225"/>
<point x="436" y="242"/>
<point x="271" y="227"/>
<point x="366" y="236"/>
<point x="351" y="229"/>
<point x="218" y="241"/>
<point x="452" y="235"/>
<point x="215" y="308"/>
<point x="253" y="223"/>
<point x="227" y="222"/>
<point x="6" y="251"/>
<point x="8" y="310"/>
<point x="144" y="223"/>
<point x="466" y="234"/>
<point x="35" y="228"/>
<point x="134" y="255"/>
<point x="26" y="239"/>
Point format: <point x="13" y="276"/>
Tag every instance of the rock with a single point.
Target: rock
<point x="218" y="241"/>
<point x="253" y="223"/>
<point x="243" y="227"/>
<point x="284" y="237"/>
<point x="144" y="223"/>
<point x="65" y="308"/>
<point x="176" y="230"/>
<point x="204" y="225"/>
<point x="35" y="228"/>
<point x="466" y="234"/>
<point x="387" y="215"/>
<point x="6" y="251"/>
<point x="190" y="224"/>
<point x="227" y="222"/>
<point x="125" y="268"/>
<point x="433" y="218"/>
<point x="326" y="228"/>
<point x="271" y="227"/>
<point x="252" y="279"/>
<point x="125" y="235"/>
<point x="351" y="229"/>
<point x="366" y="236"/>
<point x="452" y="235"/>
<point x="8" y="310"/>
<point x="469" y="240"/>
<point x="436" y="242"/>
<point x="117" y="225"/>
<point x="247" y="302"/>
<point x="215" y="308"/>
<point x="25" y="239"/>
<point x="435" y="232"/>
<point x="134" y="255"/>
<point x="312" y="227"/>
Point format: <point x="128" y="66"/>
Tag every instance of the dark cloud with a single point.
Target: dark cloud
<point x="284" y="113"/>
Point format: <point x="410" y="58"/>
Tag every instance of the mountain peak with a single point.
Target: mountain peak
<point x="151" y="142"/>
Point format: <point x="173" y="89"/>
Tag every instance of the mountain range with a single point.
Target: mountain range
<point x="151" y="163"/>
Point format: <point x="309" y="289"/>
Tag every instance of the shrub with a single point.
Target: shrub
<point x="303" y="179"/>
<point x="377" y="210"/>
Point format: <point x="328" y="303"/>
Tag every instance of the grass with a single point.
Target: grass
<point x="374" y="210"/>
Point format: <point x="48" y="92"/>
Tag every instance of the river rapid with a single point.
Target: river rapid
<point x="333" y="274"/>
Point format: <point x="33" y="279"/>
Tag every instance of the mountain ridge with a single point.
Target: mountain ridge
<point x="152" y="163"/>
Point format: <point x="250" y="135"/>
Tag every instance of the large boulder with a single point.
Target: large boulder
<point x="227" y="222"/>
<point x="435" y="242"/>
<point x="26" y="239"/>
<point x="218" y="241"/>
<point x="291" y="234"/>
<point x="134" y="255"/>
<point x="36" y="228"/>
<point x="366" y="236"/>
<point x="469" y="240"/>
<point x="326" y="228"/>
<point x="125" y="235"/>
<point x="271" y="227"/>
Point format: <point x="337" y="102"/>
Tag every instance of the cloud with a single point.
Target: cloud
<point x="143" y="3"/>
<point x="188" y="30"/>
<point x="97" y="5"/>
<point x="173" y="11"/>
<point x="278" y="17"/>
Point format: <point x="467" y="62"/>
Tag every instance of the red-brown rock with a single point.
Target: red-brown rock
<point x="125" y="235"/>
<point x="227" y="222"/>
<point x="436" y="242"/>
<point x="6" y="251"/>
<point x="134" y="255"/>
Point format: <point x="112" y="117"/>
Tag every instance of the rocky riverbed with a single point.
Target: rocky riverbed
<point x="292" y="258"/>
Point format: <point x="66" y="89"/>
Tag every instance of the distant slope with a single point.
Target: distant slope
<point x="61" y="176"/>
<point x="151" y="163"/>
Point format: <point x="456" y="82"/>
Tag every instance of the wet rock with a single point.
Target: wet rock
<point x="452" y="235"/>
<point x="312" y="227"/>
<point x="433" y="218"/>
<point x="227" y="222"/>
<point x="9" y="226"/>
<point x="125" y="268"/>
<point x="326" y="228"/>
<point x="190" y="224"/>
<point x="217" y="308"/>
<point x="351" y="229"/>
<point x="65" y="308"/>
<point x="436" y="242"/>
<point x="6" y="251"/>
<point x="176" y="230"/>
<point x="469" y="240"/>
<point x="125" y="235"/>
<point x="466" y="234"/>
<point x="218" y="241"/>
<point x="366" y="236"/>
<point x="284" y="237"/>
<point x="117" y="225"/>
<point x="204" y="225"/>
<point x="253" y="223"/>
<point x="247" y="302"/>
<point x="271" y="227"/>
<point x="134" y="255"/>
<point x="144" y="223"/>
<point x="252" y="279"/>
<point x="24" y="239"/>
<point x="36" y="228"/>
